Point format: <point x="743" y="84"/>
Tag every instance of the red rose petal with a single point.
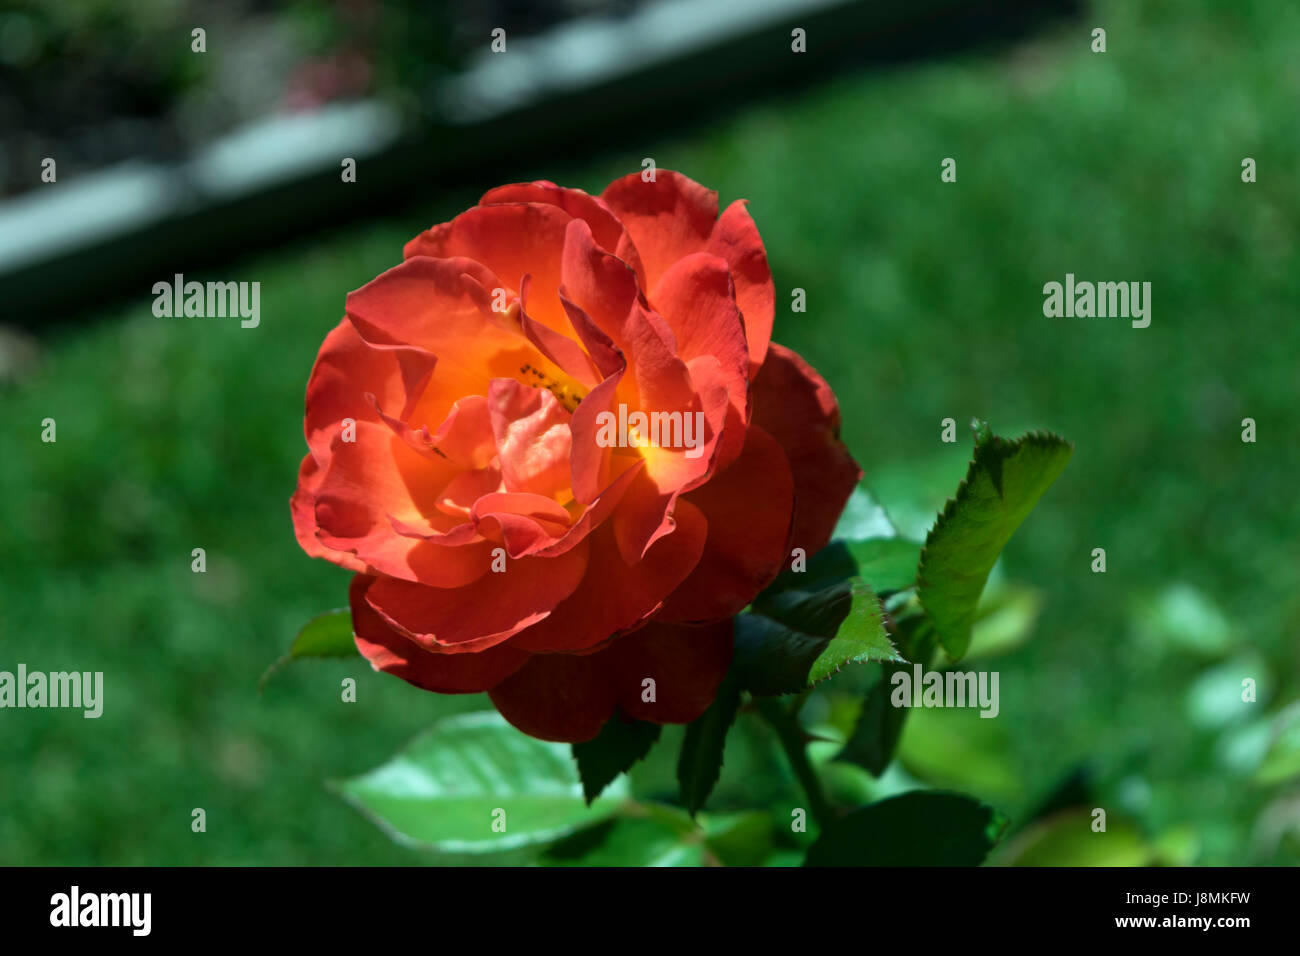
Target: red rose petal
<point x="615" y="595"/>
<point x="735" y="238"/>
<point x="696" y="299"/>
<point x="511" y="240"/>
<point x="525" y="523"/>
<point x="376" y="480"/>
<point x="667" y="219"/>
<point x="532" y="438"/>
<point x="749" y="509"/>
<point x="440" y="306"/>
<point x="568" y="697"/>
<point x="580" y="205"/>
<point x="561" y="697"/>
<point x="798" y="408"/>
<point x="686" y="664"/>
<point x="390" y="652"/>
<point x="589" y="463"/>
<point x="302" y="506"/>
<point x="485" y="612"/>
<point x="599" y="283"/>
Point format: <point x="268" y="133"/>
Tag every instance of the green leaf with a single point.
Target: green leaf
<point x="1002" y="485"/>
<point x="619" y="745"/>
<point x="785" y="858"/>
<point x="878" y="729"/>
<point x="918" y="828"/>
<point x="326" y="635"/>
<point x="630" y="841"/>
<point x="474" y="785"/>
<point x="739" y="839"/>
<point x="1006" y="617"/>
<point x="863" y="518"/>
<point x="653" y="834"/>
<point x="700" y="761"/>
<point x="1068" y="839"/>
<point x="833" y="564"/>
<point x="879" y="726"/>
<point x="886" y="561"/>
<point x="887" y="564"/>
<point x="801" y="638"/>
<point x="1005" y="620"/>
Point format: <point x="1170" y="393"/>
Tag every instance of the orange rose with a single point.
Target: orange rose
<point x="559" y="452"/>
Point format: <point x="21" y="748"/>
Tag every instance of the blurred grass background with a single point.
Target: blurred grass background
<point x="924" y="302"/>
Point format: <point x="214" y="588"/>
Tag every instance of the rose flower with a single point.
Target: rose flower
<point x="560" y="453"/>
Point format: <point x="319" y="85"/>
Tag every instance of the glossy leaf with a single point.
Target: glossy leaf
<point x="652" y="834"/>
<point x="918" y="828"/>
<point x="475" y="785"/>
<point x="700" y="762"/>
<point x="887" y="564"/>
<point x="832" y="565"/>
<point x="802" y="638"/>
<point x="878" y="729"/>
<point x="1003" y="483"/>
<point x="1068" y="839"/>
<point x="619" y="745"/>
<point x="630" y="841"/>
<point x="886" y="561"/>
<point x="863" y="519"/>
<point x="326" y="635"/>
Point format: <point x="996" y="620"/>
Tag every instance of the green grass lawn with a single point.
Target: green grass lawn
<point x="924" y="302"/>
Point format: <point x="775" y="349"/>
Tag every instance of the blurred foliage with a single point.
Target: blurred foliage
<point x="924" y="302"/>
<point x="95" y="82"/>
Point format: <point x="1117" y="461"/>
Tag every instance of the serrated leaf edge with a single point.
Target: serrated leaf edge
<point x="1034" y="437"/>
